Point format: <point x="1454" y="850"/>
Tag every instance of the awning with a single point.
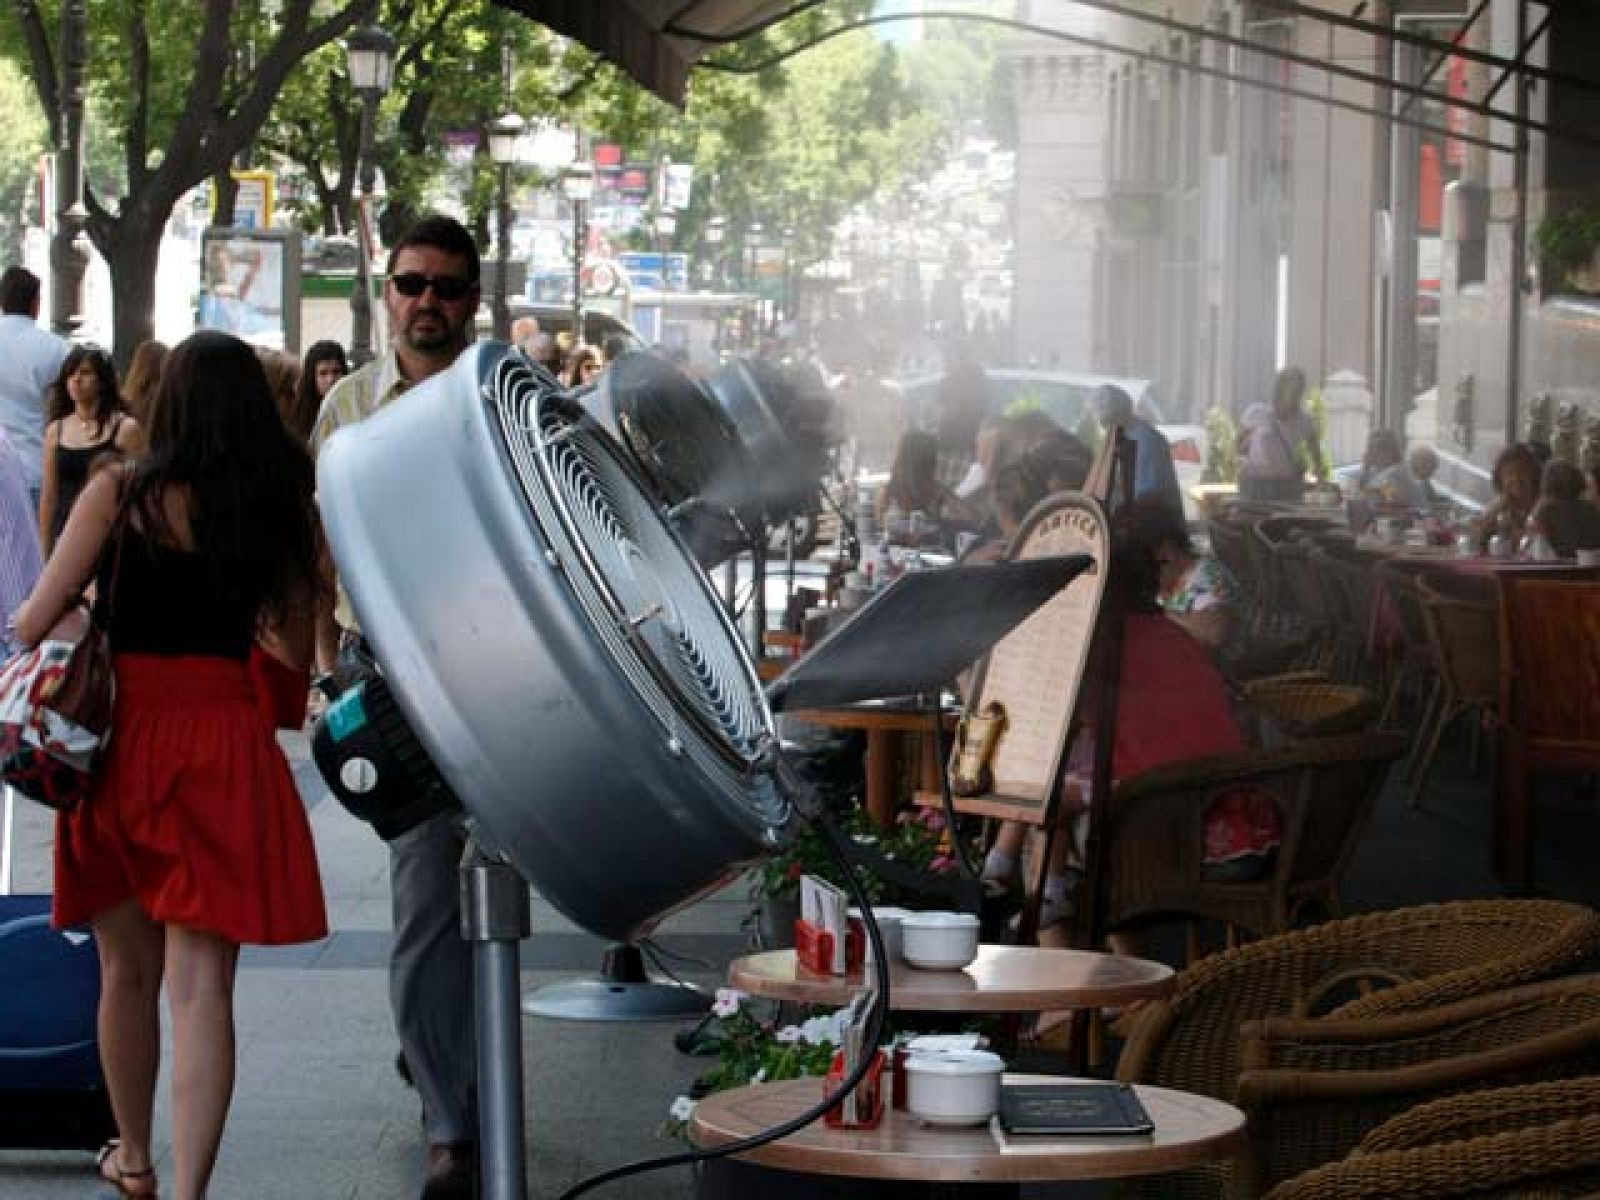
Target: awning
<point x="655" y="41"/>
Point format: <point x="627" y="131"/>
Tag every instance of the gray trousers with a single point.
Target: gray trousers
<point x="430" y="977"/>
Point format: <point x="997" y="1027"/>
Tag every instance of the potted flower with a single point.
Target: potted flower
<point x="918" y="839"/>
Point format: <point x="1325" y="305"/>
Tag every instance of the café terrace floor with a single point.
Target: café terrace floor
<point x="320" y="1115"/>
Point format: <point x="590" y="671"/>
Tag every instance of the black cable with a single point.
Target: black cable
<point x="833" y="839"/>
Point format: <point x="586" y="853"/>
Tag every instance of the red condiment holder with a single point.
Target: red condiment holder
<point x="813" y="947"/>
<point x="868" y="1094"/>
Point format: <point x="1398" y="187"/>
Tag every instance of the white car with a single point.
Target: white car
<point x="1064" y="397"/>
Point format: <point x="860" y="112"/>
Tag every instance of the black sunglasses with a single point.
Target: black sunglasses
<point x="446" y="287"/>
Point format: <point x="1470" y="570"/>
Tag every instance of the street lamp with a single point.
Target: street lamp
<point x="370" y="53"/>
<point x="504" y="132"/>
<point x="577" y="183"/>
<point x="716" y="230"/>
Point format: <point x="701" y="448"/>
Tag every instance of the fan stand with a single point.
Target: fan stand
<point x="623" y="992"/>
<point x="495" y="918"/>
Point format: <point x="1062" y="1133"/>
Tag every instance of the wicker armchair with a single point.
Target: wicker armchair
<point x="1314" y="1089"/>
<point x="1423" y="957"/>
<point x="1152" y="844"/>
<point x="1299" y="707"/>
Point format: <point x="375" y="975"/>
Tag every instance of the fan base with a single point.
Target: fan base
<point x="624" y="991"/>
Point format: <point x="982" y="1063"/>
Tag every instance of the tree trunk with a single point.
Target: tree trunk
<point x="225" y="188"/>
<point x="133" y="254"/>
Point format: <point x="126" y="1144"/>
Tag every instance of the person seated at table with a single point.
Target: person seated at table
<point x="1173" y="705"/>
<point x="1423" y="462"/>
<point x="1197" y="592"/>
<point x="913" y="481"/>
<point x="1569" y="520"/>
<point x="1385" y="480"/>
<point x="1516" y="485"/>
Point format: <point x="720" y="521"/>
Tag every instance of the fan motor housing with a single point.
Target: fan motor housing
<point x="541" y="666"/>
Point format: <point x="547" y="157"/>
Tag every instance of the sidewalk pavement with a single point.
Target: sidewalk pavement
<point x="319" y="1113"/>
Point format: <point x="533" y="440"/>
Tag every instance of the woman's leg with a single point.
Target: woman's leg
<point x="200" y="971"/>
<point x="129" y="1022"/>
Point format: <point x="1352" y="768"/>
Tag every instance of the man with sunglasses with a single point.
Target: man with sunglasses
<point x="431" y="297"/>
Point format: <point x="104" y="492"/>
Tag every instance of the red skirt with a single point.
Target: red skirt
<point x="194" y="814"/>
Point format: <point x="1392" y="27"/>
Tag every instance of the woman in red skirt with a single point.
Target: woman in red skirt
<point x="194" y="839"/>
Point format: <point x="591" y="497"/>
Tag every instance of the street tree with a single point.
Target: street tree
<point x="187" y="87"/>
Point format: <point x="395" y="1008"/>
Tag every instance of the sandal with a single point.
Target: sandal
<point x="135" y="1185"/>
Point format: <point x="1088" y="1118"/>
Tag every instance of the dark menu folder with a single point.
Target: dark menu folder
<point x="1058" y="1109"/>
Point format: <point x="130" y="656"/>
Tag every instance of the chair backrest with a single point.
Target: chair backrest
<point x="1228" y="543"/>
<point x="1313" y="1090"/>
<point x="1398" y="586"/>
<point x="1465" y="637"/>
<point x="1425" y="956"/>
<point x="1550" y="689"/>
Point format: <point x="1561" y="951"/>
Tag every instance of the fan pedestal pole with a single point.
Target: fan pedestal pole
<point x="495" y="918"/>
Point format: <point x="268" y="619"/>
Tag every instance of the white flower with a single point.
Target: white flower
<point x="682" y="1109"/>
<point x="820" y="1030"/>
<point x="759" y="1076"/>
<point x="727" y="1002"/>
<point x="789" y="1033"/>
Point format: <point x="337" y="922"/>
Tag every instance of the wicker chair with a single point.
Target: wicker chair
<point x="1427" y="956"/>
<point x="1414" y="668"/>
<point x="1152" y="844"/>
<point x="1313" y="1089"/>
<point x="1466" y="648"/>
<point x="1540" y="1141"/>
<point x="1295" y="706"/>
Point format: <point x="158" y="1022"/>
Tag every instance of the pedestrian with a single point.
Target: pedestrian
<point x="584" y="365"/>
<point x="325" y="365"/>
<point x="1280" y="444"/>
<point x="139" y="385"/>
<point x="1154" y="476"/>
<point x="87" y="422"/>
<point x="431" y="295"/>
<point x="30" y="360"/>
<point x="193" y="839"/>
<point x="283" y="378"/>
<point x="20" y="559"/>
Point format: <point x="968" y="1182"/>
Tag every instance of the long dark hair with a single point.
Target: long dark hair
<point x="108" y="402"/>
<point x="307" y="400"/>
<point x="216" y="433"/>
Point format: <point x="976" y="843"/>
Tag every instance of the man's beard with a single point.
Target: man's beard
<point x="429" y="332"/>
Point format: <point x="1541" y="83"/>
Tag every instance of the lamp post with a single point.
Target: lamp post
<point x="716" y="230"/>
<point x="69" y="248"/>
<point x="370" y="52"/>
<point x="577" y="182"/>
<point x="503" y="135"/>
<point x="666" y="226"/>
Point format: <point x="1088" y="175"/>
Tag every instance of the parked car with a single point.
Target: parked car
<point x="1064" y="397"/>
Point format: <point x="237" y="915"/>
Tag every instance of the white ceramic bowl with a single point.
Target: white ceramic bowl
<point x="939" y="941"/>
<point x="953" y="1087"/>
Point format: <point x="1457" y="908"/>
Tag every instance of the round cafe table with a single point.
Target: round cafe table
<point x="1189" y="1131"/>
<point x="1012" y="979"/>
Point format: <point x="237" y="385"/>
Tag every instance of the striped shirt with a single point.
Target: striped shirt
<point x="19" y="537"/>
<point x="355" y="398"/>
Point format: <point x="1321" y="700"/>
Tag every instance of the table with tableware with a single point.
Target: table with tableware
<point x="1190" y="1131"/>
<point x="1011" y="979"/>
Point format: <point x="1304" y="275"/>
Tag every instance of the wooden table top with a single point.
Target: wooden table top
<point x="874" y="716"/>
<point x="1190" y="1130"/>
<point x="1002" y="979"/>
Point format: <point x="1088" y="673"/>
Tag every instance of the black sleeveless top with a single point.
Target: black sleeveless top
<point x="171" y="602"/>
<point x="73" y="464"/>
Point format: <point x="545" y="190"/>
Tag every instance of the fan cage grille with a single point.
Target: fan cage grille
<point x="634" y="579"/>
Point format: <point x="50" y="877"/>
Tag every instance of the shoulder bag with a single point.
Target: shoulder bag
<point x="56" y="701"/>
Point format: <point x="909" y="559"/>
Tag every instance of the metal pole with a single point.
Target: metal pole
<point x="580" y="235"/>
<point x="495" y="918"/>
<point x="69" y="249"/>
<point x="1519" y="233"/>
<point x="502" y="311"/>
<point x="361" y="294"/>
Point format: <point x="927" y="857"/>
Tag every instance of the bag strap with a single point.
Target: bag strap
<point x="101" y="613"/>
